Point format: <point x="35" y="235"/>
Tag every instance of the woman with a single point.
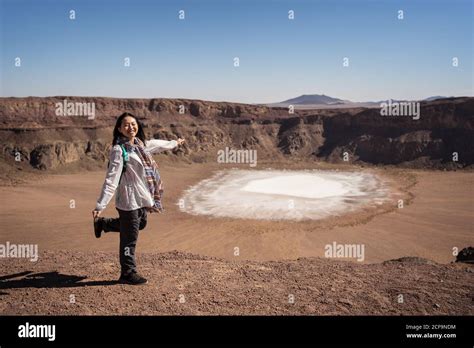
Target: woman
<point x="134" y="173"/>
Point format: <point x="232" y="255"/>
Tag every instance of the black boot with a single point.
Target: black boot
<point x="98" y="226"/>
<point x="132" y="278"/>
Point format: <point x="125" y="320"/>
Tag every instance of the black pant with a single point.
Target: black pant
<point x="128" y="224"/>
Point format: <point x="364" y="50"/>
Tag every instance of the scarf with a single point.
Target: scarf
<point x="152" y="175"/>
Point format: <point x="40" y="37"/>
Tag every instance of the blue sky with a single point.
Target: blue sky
<point x="279" y="58"/>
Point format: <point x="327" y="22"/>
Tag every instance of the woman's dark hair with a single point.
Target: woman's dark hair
<point x="118" y="124"/>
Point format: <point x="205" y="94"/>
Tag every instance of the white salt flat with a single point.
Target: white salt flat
<point x="283" y="195"/>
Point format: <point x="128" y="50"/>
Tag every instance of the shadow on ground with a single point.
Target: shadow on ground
<point x="47" y="280"/>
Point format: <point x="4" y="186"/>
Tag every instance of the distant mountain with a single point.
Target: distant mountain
<point x="314" y="99"/>
<point x="322" y="101"/>
<point x="435" y="97"/>
<point x="318" y="101"/>
<point x="412" y="100"/>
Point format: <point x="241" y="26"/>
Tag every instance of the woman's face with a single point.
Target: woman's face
<point x="129" y="127"/>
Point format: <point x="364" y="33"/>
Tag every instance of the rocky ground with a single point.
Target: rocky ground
<point x="77" y="283"/>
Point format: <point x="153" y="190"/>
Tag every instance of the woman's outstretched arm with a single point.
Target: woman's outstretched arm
<point x="158" y="145"/>
<point x="112" y="178"/>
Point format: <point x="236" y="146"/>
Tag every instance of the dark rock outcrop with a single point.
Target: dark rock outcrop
<point x="466" y="255"/>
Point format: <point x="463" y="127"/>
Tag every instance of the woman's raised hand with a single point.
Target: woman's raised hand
<point x="180" y="141"/>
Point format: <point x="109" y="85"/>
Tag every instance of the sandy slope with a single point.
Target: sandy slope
<point x="439" y="218"/>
